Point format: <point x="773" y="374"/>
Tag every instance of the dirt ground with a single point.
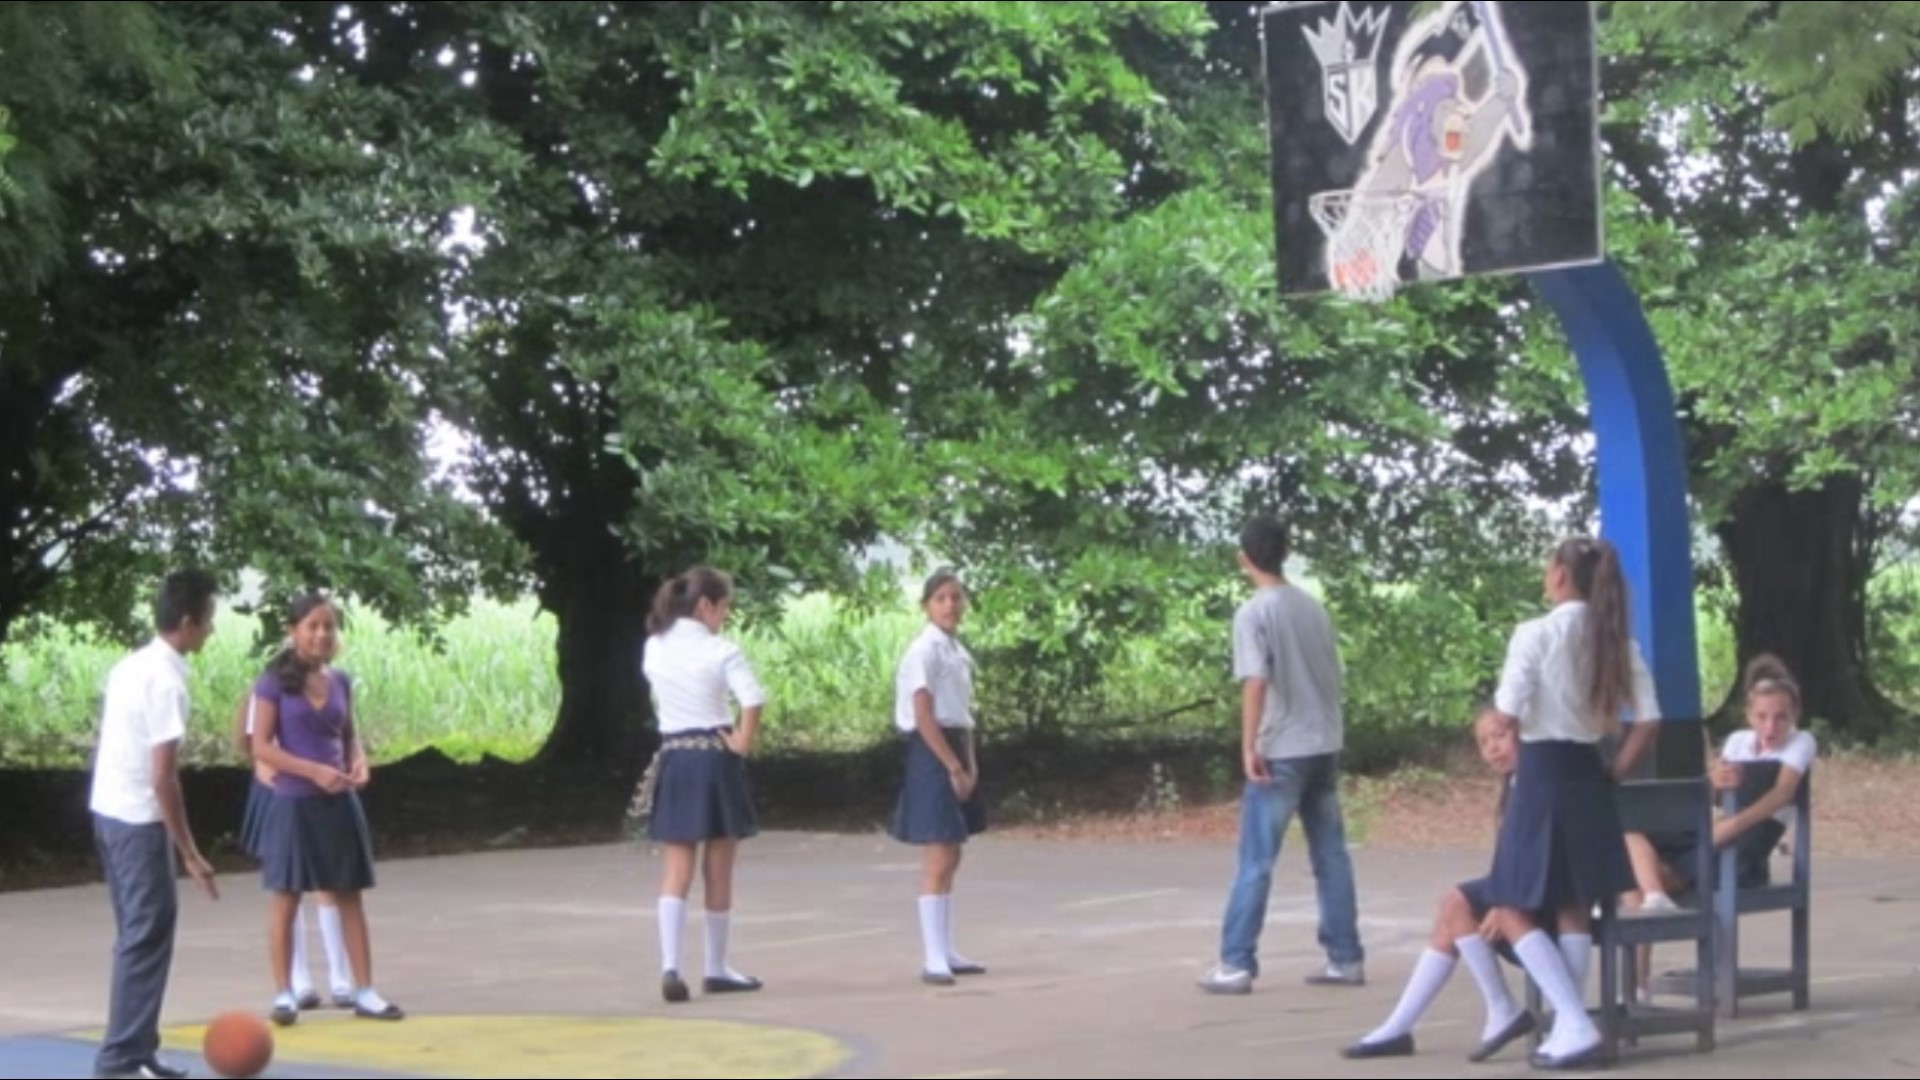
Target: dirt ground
<point x="1864" y="807"/>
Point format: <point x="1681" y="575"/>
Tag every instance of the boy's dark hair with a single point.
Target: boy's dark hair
<point x="185" y="594"/>
<point x="1264" y="542"/>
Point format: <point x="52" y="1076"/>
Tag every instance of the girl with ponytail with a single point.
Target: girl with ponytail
<point x="695" y="791"/>
<point x="1570" y="679"/>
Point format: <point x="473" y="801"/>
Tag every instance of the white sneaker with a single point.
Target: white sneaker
<point x="1221" y="979"/>
<point x="1658" y="902"/>
<point x="1354" y="974"/>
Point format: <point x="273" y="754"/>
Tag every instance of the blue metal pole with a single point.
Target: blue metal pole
<point x="1642" y="467"/>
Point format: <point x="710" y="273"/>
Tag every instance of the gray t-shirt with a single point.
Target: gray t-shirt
<point x="1283" y="635"/>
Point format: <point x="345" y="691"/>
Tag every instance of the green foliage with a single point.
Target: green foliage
<point x="1826" y="67"/>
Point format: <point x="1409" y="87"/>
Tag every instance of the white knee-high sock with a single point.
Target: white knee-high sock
<point x="1577" y="949"/>
<point x="718" y="925"/>
<point x="673" y="922"/>
<point x="1573" y="1030"/>
<point x="1429" y="975"/>
<point x="333" y="937"/>
<point x="953" y="954"/>
<point x="1481" y="960"/>
<point x="299" y="978"/>
<point x="933" y="934"/>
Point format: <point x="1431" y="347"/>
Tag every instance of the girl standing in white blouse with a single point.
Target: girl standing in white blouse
<point x="940" y="803"/>
<point x="696" y="790"/>
<point x="1570" y="678"/>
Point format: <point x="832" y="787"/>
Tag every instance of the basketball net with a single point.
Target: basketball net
<point x="1365" y="235"/>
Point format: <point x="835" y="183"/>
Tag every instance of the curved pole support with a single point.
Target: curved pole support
<point x="1642" y="467"/>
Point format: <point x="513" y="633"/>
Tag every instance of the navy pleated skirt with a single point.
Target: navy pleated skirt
<point x="258" y="795"/>
<point x="314" y="843"/>
<point x="928" y="811"/>
<point x="702" y="794"/>
<point x="1561" y="844"/>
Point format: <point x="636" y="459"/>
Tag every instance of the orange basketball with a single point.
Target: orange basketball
<point x="238" y="1044"/>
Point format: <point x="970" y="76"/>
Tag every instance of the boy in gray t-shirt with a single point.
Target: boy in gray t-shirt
<point x="1287" y="660"/>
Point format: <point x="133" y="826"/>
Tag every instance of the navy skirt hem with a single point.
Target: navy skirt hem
<point x="1561" y="844"/>
<point x="701" y="794"/>
<point x="315" y="843"/>
<point x="1480" y="902"/>
<point x="928" y="811"/>
<point x="258" y="796"/>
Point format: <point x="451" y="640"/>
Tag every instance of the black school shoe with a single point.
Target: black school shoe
<point x="673" y="988"/>
<point x="1522" y="1025"/>
<point x="1400" y="1046"/>
<point x="746" y="984"/>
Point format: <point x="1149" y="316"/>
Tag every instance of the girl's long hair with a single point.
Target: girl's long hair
<point x="1594" y="566"/>
<point x="678" y="598"/>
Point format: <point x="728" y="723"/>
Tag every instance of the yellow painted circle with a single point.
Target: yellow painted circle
<point x="528" y="1046"/>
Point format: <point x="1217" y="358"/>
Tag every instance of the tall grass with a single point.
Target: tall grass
<point x="1414" y="660"/>
<point x="492" y="688"/>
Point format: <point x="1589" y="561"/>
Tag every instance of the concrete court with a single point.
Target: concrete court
<point x="543" y="964"/>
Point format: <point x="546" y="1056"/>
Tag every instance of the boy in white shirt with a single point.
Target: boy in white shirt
<point x="140" y="821"/>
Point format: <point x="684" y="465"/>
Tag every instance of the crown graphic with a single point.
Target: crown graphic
<point x="1348" y="37"/>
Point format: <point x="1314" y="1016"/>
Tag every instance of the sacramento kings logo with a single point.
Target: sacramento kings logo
<point x="1349" y="50"/>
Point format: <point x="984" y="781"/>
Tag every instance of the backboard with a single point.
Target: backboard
<point x="1429" y="141"/>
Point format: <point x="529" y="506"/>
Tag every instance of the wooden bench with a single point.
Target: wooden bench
<point x="1669" y="793"/>
<point x="1729" y="902"/>
<point x="1795" y="896"/>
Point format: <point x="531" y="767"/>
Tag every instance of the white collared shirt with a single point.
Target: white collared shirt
<point x="1799" y="755"/>
<point x="145" y="707"/>
<point x="937" y="663"/>
<point x="1543" y="685"/>
<point x="692" y="670"/>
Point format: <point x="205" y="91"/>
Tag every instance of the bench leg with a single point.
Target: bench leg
<point x="1704" y="977"/>
<point x="1726" y="967"/>
<point x="1802" y="955"/>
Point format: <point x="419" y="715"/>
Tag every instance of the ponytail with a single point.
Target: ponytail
<point x="679" y="597"/>
<point x="1768" y="674"/>
<point x="1594" y="566"/>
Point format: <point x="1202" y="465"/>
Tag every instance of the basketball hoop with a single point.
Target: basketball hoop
<point x="1366" y="233"/>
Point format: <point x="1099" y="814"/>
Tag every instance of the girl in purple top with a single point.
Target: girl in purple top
<point x="313" y="834"/>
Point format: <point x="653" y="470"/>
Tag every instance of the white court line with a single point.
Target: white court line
<point x="1112" y="901"/>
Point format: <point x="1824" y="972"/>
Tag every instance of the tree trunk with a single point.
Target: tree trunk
<point x="600" y="602"/>
<point x="1801" y="569"/>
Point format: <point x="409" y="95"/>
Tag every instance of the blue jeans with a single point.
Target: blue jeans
<point x="1310" y="786"/>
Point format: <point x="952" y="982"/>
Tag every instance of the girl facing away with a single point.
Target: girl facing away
<point x="1571" y="678"/>
<point x="699" y="803"/>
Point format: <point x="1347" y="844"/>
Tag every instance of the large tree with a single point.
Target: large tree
<point x="213" y="304"/>
<point x="745" y="279"/>
<point x="1770" y="154"/>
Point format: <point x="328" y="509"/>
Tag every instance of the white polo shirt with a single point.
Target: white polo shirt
<point x="1542" y="683"/>
<point x="146" y="706"/>
<point x="1799" y="755"/>
<point x="692" y="670"/>
<point x="937" y="663"/>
